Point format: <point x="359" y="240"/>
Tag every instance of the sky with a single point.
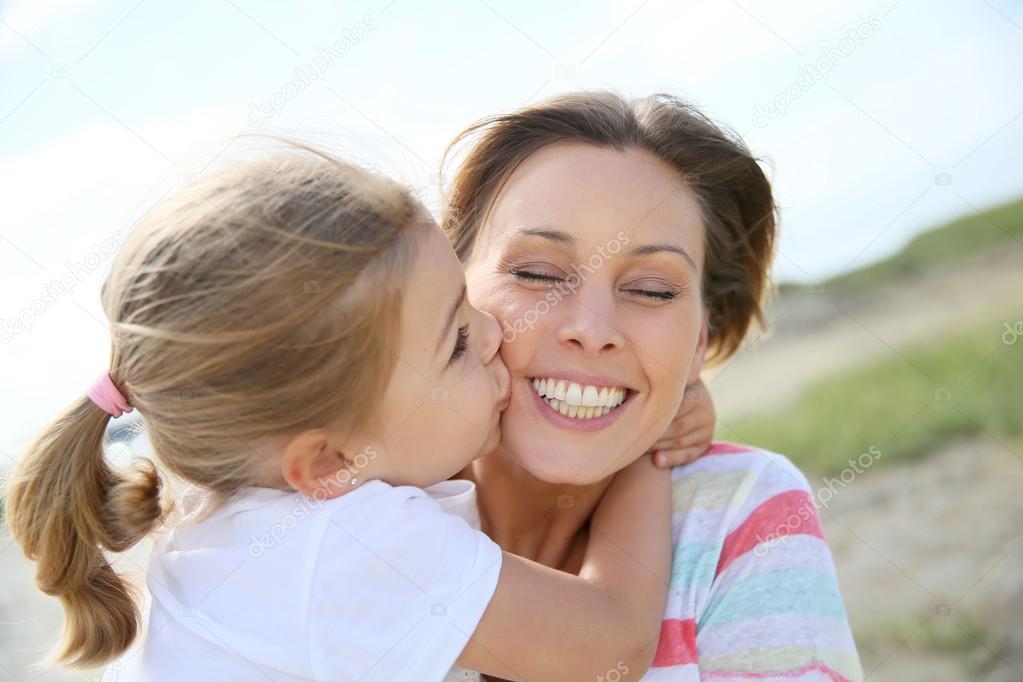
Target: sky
<point x="874" y="120"/>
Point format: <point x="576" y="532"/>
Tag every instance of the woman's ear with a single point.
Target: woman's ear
<point x="314" y="465"/>
<point x="696" y="367"/>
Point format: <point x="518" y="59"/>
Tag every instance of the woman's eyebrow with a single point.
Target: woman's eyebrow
<point x="560" y="237"/>
<point x="648" y="249"/>
<point x="552" y="235"/>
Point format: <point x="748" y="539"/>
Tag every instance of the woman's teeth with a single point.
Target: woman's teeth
<point x="577" y="400"/>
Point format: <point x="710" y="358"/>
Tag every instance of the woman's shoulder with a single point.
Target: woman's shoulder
<point x="753" y="586"/>
<point x="737" y="502"/>
<point x="723" y="454"/>
<point x="736" y="477"/>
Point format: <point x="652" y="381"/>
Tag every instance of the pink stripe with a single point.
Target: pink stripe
<point x="816" y="666"/>
<point x="789" y="513"/>
<point x="724" y="447"/>
<point x="677" y="645"/>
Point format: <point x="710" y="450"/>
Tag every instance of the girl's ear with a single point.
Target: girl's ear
<point x="701" y="350"/>
<point x="313" y="465"/>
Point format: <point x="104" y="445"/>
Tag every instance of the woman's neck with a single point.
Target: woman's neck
<point x="542" y="521"/>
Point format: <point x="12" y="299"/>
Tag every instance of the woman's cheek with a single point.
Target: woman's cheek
<point x="487" y="291"/>
<point x="514" y="312"/>
<point x="669" y="338"/>
<point x="519" y="320"/>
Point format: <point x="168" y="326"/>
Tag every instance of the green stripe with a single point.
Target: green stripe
<point x="693" y="564"/>
<point x="795" y="590"/>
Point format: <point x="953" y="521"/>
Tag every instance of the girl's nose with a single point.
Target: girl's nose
<point x="490" y="337"/>
<point x="490" y="343"/>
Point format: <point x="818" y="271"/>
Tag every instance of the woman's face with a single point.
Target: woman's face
<point x="591" y="260"/>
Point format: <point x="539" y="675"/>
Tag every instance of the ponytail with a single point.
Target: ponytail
<point x="65" y="505"/>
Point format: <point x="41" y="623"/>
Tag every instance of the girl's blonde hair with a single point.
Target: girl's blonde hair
<point x="253" y="304"/>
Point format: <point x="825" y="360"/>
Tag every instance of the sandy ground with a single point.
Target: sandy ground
<point x="928" y="552"/>
<point x="928" y="555"/>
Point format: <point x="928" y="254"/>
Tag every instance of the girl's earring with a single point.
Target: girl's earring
<point x="349" y="467"/>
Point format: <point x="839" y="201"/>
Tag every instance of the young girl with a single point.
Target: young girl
<point x="296" y="337"/>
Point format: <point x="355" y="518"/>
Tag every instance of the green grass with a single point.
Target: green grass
<point x="975" y="644"/>
<point x="898" y="405"/>
<point x="948" y="243"/>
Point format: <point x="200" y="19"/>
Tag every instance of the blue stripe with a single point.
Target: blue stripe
<point x="694" y="564"/>
<point x="793" y="590"/>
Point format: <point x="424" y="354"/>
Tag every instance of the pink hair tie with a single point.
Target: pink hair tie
<point x="104" y="393"/>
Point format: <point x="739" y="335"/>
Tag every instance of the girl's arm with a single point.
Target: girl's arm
<point x="543" y="624"/>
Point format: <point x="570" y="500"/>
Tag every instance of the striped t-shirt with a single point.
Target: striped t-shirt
<point x="753" y="589"/>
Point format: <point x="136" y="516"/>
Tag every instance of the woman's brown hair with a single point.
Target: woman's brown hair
<point x="738" y="208"/>
<point x="252" y="304"/>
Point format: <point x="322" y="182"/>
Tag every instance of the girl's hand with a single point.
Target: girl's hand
<point x="690" y="432"/>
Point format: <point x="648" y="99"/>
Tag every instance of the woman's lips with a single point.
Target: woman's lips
<point x="573" y="423"/>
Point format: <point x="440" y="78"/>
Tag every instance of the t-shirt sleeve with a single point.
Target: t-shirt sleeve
<point x="774" y="607"/>
<point x="398" y="587"/>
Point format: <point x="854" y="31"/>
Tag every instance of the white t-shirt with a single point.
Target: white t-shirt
<point x="379" y="584"/>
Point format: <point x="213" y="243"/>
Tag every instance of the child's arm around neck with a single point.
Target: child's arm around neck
<point x="542" y="624"/>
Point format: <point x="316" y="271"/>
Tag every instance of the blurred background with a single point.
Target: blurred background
<point x="892" y="365"/>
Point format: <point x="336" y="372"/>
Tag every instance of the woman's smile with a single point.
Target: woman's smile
<point x="578" y="402"/>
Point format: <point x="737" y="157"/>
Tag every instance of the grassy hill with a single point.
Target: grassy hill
<point x="903" y="406"/>
<point x="955" y="385"/>
<point x="963" y="237"/>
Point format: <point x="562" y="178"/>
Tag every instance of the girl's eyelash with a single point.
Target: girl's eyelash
<point x="542" y="277"/>
<point x="461" y="344"/>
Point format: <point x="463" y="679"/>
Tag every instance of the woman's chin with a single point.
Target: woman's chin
<point x="556" y="465"/>
<point x="560" y="455"/>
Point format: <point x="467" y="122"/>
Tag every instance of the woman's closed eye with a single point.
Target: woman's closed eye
<point x="537" y="276"/>
<point x="659" y="294"/>
<point x="461" y="344"/>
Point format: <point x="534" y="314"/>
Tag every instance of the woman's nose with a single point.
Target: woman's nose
<point x="587" y="326"/>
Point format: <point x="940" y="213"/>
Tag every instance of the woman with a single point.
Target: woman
<point x="619" y="243"/>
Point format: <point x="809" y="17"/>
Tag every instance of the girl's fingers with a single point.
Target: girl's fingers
<point x="686" y="440"/>
<point x="676" y="457"/>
